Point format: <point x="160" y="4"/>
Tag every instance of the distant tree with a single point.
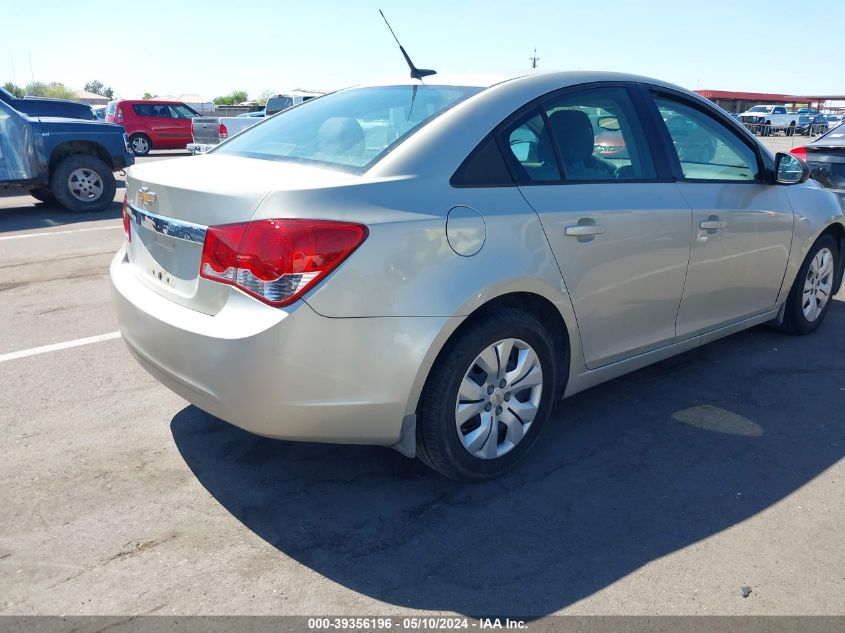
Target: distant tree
<point x="98" y="88"/>
<point x="147" y="96"/>
<point x="264" y="97"/>
<point x="14" y="89"/>
<point x="233" y="98"/>
<point x="54" y="89"/>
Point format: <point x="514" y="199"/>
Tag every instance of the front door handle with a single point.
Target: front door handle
<point x="581" y="230"/>
<point x="712" y="225"/>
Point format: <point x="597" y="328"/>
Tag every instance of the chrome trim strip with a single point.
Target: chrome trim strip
<point x="177" y="229"/>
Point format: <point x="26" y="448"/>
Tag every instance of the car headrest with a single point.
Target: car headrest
<point x="341" y="135"/>
<point x="573" y="133"/>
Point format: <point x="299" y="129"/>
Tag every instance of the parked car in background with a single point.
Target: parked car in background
<point x="767" y="119"/>
<point x="210" y="131"/>
<point x="432" y="266"/>
<point x="286" y="100"/>
<point x="207" y="132"/>
<point x="42" y="106"/>
<point x="811" y="124"/>
<point x="834" y="120"/>
<point x="153" y="124"/>
<point x="61" y="160"/>
<point x="826" y="159"/>
<point x="100" y="112"/>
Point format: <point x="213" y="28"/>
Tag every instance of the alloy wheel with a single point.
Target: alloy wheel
<point x="140" y="145"/>
<point x="85" y="184"/>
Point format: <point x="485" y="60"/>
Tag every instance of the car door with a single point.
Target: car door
<point x="183" y="118"/>
<point x="741" y="225"/>
<point x="618" y="227"/>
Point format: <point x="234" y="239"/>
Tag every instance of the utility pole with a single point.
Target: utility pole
<point x="534" y="59"/>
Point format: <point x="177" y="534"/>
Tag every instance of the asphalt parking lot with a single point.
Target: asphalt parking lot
<point x="662" y="492"/>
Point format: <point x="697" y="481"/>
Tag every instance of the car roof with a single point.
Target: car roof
<point x="153" y="101"/>
<point x="560" y="79"/>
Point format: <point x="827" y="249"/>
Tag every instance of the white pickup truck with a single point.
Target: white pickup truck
<point x="210" y="131"/>
<point x="767" y="119"/>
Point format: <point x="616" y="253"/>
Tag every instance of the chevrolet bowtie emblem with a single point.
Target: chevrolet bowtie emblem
<point x="146" y="196"/>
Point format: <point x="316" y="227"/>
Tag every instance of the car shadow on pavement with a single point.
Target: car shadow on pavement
<point x="622" y="475"/>
<point x="32" y="214"/>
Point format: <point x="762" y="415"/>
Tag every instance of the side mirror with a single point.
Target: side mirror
<point x="790" y="170"/>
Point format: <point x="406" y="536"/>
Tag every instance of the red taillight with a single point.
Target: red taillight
<point x="800" y="152"/>
<point x="222" y="131"/>
<point x="127" y="221"/>
<point x="120" y="114"/>
<point x="277" y="261"/>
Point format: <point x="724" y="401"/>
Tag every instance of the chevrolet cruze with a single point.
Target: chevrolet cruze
<point x="432" y="266"/>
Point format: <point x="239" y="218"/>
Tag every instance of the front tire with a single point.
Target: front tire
<point x="487" y="397"/>
<point x="82" y="182"/>
<point x="810" y="296"/>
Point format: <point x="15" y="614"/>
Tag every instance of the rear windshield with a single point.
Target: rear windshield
<point x="350" y="129"/>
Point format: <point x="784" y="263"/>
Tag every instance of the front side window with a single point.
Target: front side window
<point x="181" y="111"/>
<point x="706" y="148"/>
<point x="349" y="129"/>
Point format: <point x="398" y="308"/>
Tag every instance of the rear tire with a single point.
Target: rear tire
<point x="82" y="182"/>
<point x="43" y="194"/>
<point x="140" y="144"/>
<point x="462" y="405"/>
<point x="791" y="130"/>
<point x="810" y="296"/>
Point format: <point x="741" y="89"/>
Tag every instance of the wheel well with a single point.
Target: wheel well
<point x="838" y="233"/>
<point x="79" y="147"/>
<point x="540" y="308"/>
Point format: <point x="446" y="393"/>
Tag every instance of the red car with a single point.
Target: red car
<point x="153" y="124"/>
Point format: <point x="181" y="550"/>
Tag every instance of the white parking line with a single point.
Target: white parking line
<point x="95" y="228"/>
<point x="32" y="351"/>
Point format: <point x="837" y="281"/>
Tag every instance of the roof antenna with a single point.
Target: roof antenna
<point x="416" y="73"/>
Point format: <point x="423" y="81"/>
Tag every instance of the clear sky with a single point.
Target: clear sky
<point x="212" y="47"/>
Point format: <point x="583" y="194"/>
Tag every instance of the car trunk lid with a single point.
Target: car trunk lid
<point x="171" y="203"/>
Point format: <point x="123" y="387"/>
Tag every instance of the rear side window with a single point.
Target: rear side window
<point x="110" y="108"/>
<point x="599" y="136"/>
<point x="530" y="150"/>
<point x="706" y="148"/>
<point x="152" y="109"/>
<point x="484" y="167"/>
<point x="277" y="104"/>
<point x="591" y="135"/>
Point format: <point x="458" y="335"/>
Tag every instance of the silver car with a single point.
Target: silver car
<point x="432" y="266"/>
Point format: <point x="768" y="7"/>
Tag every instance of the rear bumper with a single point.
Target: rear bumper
<point x="200" y="148"/>
<point x="289" y="374"/>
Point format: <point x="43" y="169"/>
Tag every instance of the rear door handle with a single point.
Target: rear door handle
<point x="580" y="230"/>
<point x="712" y="225"/>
